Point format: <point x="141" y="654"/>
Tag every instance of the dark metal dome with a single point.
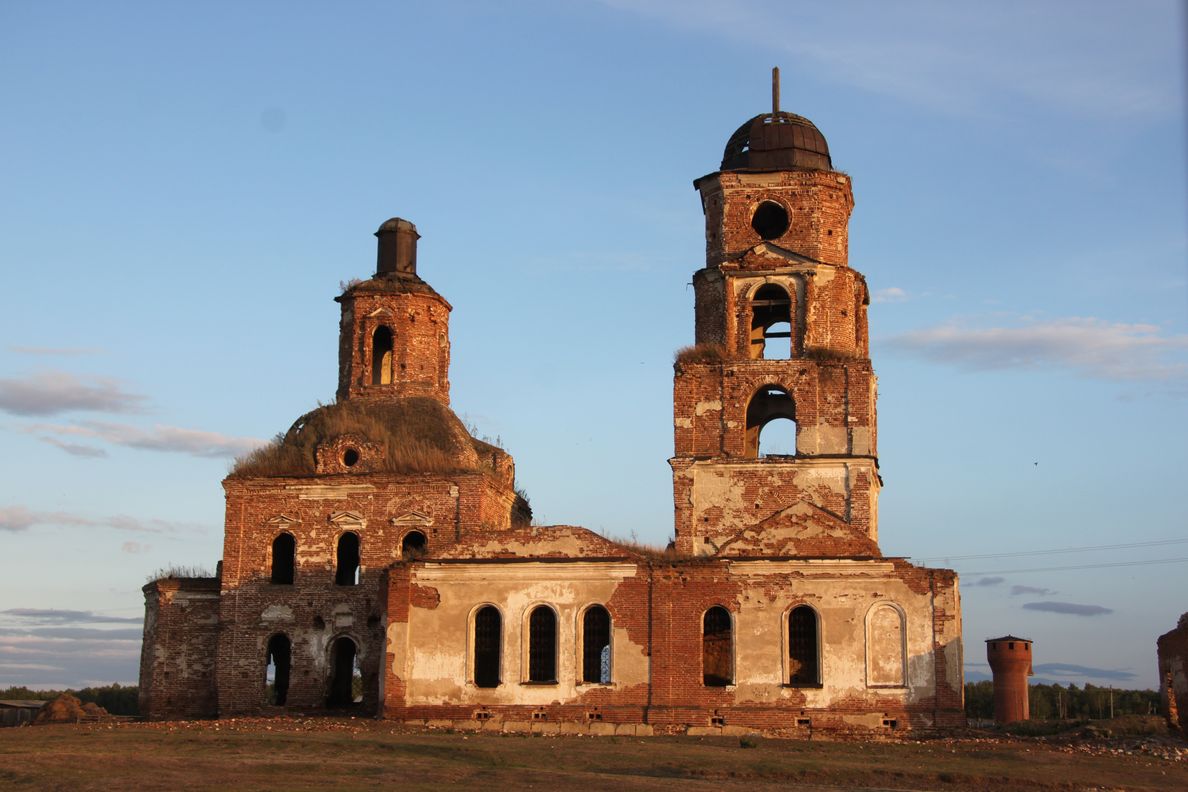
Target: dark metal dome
<point x="777" y="141"/>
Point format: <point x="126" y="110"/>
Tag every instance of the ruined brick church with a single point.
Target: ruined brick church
<point x="378" y="558"/>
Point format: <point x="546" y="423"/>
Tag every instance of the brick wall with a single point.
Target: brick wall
<point x="177" y="656"/>
<point x="657" y="610"/>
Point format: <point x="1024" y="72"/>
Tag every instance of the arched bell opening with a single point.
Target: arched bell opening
<point x="381" y="356"/>
<point x="771" y="324"/>
<point x="771" y="423"/>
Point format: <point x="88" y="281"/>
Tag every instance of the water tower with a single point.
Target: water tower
<point x="1010" y="660"/>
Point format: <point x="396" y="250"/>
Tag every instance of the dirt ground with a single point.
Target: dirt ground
<point x="345" y="753"/>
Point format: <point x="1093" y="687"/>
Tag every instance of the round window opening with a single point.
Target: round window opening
<point x="350" y="457"/>
<point x="770" y="220"/>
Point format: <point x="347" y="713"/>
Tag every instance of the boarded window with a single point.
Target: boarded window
<point x="277" y="669"/>
<point x="542" y="645"/>
<point x="488" y="626"/>
<point x="284" y="550"/>
<point x="717" y="648"/>
<point x="347" y="570"/>
<point x="885" y="647"/>
<point x="773" y="405"/>
<point x="381" y="356"/>
<point x="596" y="632"/>
<point x="771" y="324"/>
<point x="803" y="648"/>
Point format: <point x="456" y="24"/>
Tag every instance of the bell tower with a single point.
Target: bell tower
<point x="394" y="336"/>
<point x="774" y="405"/>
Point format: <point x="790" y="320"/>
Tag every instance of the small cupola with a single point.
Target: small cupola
<point x="777" y="141"/>
<point x="397" y="248"/>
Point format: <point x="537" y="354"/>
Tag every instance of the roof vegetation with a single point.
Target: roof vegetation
<point x="417" y="435"/>
<point x="698" y="353"/>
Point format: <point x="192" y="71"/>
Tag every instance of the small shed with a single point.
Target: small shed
<point x="18" y="712"/>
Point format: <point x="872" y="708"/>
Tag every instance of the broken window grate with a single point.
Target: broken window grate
<point x="717" y="648"/>
<point x="596" y="631"/>
<point x="488" y="625"/>
<point x="802" y="647"/>
<point x="542" y="645"/>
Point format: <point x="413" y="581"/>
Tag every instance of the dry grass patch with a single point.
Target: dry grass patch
<point x="698" y="354"/>
<point x="418" y="435"/>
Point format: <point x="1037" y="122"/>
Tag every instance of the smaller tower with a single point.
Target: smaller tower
<point x="394" y="337"/>
<point x="1010" y="660"/>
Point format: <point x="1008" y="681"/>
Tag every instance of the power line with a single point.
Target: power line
<point x="1022" y="553"/>
<point x="1082" y="566"/>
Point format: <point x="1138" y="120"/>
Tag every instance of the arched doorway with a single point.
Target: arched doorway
<point x="346" y="681"/>
<point x="278" y="664"/>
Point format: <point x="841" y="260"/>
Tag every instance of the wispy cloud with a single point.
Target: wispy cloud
<point x="75" y="449"/>
<point x="987" y="581"/>
<point x="55" y="351"/>
<point x="947" y="57"/>
<point x="1067" y="608"/>
<point x="1073" y="670"/>
<point x="170" y="439"/>
<point x="1092" y="348"/>
<point x="57" y="647"/>
<point x="1037" y="590"/>
<point x="61" y="616"/>
<point x="891" y="294"/>
<point x="134" y="548"/>
<point x="19" y="518"/>
<point x="57" y="392"/>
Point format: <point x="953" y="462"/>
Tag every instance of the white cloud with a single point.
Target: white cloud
<point x="892" y="294"/>
<point x="1093" y="348"/>
<point x="55" y="392"/>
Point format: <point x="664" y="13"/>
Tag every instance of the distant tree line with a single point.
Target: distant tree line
<point x="1057" y="702"/>
<point x="117" y="699"/>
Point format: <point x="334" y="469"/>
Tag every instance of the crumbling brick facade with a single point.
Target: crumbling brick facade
<point x="378" y="558"/>
<point x="1172" y="653"/>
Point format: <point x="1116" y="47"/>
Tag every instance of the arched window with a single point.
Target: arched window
<point x="885" y="646"/>
<point x="717" y="648"/>
<point x="346" y="678"/>
<point x="414" y="545"/>
<point x="284" y="551"/>
<point x="278" y="666"/>
<point x="381" y="356"/>
<point x="596" y="634"/>
<point x="347" y="571"/>
<point x="771" y="320"/>
<point x="771" y="404"/>
<point x="542" y="645"/>
<point x="803" y="647"/>
<point x="488" y="629"/>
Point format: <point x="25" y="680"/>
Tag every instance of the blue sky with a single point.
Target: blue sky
<point x="185" y="185"/>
